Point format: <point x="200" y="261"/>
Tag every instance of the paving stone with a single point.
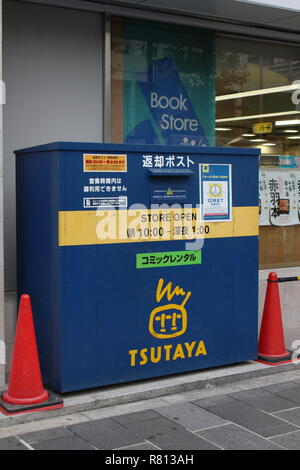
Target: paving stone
<point x="45" y="435"/>
<point x="296" y="381"/>
<point x="11" y="443"/>
<point x="292" y="394"/>
<point x="63" y="443"/>
<point x="205" y="393"/>
<point x="280" y="387"/>
<point x="233" y="437"/>
<point x="215" y="400"/>
<point x="41" y="425"/>
<point x="292" y="416"/>
<point x="263" y="400"/>
<point x="118" y="410"/>
<point x="190" y="416"/>
<point x="105" y="434"/>
<point x="135" y="417"/>
<point x="169" y="436"/>
<point x="289" y="441"/>
<point x="143" y="446"/>
<point x="245" y="415"/>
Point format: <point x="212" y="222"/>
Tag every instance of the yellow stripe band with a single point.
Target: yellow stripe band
<point x="99" y="227"/>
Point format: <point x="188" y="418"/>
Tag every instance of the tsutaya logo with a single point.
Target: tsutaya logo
<point x="168" y="321"/>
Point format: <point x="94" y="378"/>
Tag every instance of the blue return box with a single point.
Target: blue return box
<point x="141" y="261"/>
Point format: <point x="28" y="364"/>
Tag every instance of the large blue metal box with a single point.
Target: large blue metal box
<point x="141" y="261"/>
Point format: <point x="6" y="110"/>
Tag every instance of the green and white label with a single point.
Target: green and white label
<point x="168" y="259"/>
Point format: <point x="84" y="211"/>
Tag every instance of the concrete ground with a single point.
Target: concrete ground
<point x="251" y="413"/>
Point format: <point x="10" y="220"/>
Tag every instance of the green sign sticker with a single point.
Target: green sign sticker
<point x="168" y="259"/>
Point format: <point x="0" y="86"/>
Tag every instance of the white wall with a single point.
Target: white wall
<point x="52" y="69"/>
<point x="2" y="349"/>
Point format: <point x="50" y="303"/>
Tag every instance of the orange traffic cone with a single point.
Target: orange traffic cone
<point x="25" y="390"/>
<point x="271" y="345"/>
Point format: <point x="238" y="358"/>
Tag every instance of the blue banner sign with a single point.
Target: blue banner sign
<point x="170" y="105"/>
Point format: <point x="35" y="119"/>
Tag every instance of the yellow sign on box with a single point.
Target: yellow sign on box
<point x="127" y="226"/>
<point x="262" y="128"/>
<point x="104" y="163"/>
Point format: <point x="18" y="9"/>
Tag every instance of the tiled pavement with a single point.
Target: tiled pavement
<point x="265" y="418"/>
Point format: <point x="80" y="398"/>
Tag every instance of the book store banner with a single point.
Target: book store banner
<point x="169" y="85"/>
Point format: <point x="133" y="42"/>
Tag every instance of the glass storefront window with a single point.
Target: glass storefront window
<point x="163" y="84"/>
<point x="247" y="66"/>
<point x="178" y="85"/>
<point x="269" y="119"/>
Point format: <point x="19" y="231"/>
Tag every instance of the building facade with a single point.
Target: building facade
<point x="214" y="72"/>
